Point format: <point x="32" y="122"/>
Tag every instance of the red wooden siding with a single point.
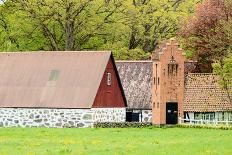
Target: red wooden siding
<point x="109" y="96"/>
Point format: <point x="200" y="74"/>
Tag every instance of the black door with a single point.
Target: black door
<point x="171" y="113"/>
<point x="132" y="117"/>
<point x="129" y="116"/>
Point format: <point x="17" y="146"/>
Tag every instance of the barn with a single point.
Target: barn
<point x="59" y="89"/>
<point x="136" y="79"/>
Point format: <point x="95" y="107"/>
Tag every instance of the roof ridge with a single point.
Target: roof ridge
<point x="134" y="61"/>
<point x="202" y="74"/>
<point x="56" y="52"/>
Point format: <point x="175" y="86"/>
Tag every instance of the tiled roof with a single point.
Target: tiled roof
<point x="136" y="78"/>
<point x="203" y="94"/>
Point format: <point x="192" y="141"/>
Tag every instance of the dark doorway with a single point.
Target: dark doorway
<point x="129" y="116"/>
<point x="171" y="113"/>
<point x="132" y="117"/>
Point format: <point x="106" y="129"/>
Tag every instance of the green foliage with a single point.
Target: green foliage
<point x="224" y="70"/>
<point x="207" y="34"/>
<point x="131" y="29"/>
<point x="121" y="125"/>
<point x="222" y="127"/>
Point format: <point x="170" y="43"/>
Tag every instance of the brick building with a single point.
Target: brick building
<point x="176" y="92"/>
<point x="168" y="83"/>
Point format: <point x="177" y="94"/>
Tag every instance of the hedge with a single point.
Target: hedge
<point x="222" y="127"/>
<point x="122" y="125"/>
<point x="149" y="125"/>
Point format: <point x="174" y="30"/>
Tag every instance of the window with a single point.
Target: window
<point x="109" y="79"/>
<point x="230" y="116"/>
<point x="204" y="116"/>
<point x="54" y="75"/>
<point x="158" y="81"/>
<point x="132" y="116"/>
<point x="172" y="67"/>
<point x="221" y="116"/>
<point x="156" y="72"/>
<point x="157" y="105"/>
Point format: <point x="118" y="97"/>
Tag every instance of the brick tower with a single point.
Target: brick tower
<point x="168" y="83"/>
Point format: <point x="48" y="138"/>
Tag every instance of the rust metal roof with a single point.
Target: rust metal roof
<point x="51" y="79"/>
<point x="203" y="94"/>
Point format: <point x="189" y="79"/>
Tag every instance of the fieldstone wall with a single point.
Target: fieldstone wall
<point x="58" y="118"/>
<point x="146" y="115"/>
<point x="109" y="114"/>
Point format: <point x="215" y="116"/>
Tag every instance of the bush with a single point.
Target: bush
<point x="222" y="127"/>
<point x="149" y="125"/>
<point x="121" y="125"/>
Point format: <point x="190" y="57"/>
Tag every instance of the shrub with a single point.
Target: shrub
<point x="223" y="127"/>
<point x="122" y="125"/>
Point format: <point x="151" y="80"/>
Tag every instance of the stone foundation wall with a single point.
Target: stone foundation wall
<point x="58" y="118"/>
<point x="109" y="114"/>
<point x="146" y="115"/>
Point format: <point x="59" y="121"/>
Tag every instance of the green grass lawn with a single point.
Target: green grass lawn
<point x="155" y="141"/>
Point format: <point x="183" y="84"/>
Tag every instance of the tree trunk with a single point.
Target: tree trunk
<point x="69" y="29"/>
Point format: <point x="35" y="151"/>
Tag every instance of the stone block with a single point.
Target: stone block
<point x="87" y="117"/>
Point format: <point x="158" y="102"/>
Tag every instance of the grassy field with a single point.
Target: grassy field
<point x="155" y="141"/>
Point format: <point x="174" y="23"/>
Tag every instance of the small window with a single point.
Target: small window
<point x="158" y="80"/>
<point x="157" y="105"/>
<point x="230" y="116"/>
<point x="154" y="80"/>
<point x="109" y="79"/>
<point x="54" y="75"/>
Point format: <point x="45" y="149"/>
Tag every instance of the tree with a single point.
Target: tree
<point x="5" y="29"/>
<point x="151" y="21"/>
<point x="145" y="23"/>
<point x="225" y="74"/>
<point x="205" y="35"/>
<point x="66" y="24"/>
<point x="131" y="28"/>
